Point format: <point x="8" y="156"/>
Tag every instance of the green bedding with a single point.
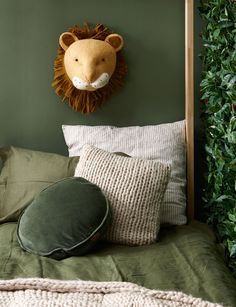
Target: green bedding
<point x="186" y="259"/>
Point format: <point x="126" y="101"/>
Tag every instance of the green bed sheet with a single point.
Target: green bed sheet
<point x="186" y="259"/>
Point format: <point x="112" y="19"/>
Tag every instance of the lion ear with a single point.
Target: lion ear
<point x="116" y="41"/>
<point x="66" y="39"/>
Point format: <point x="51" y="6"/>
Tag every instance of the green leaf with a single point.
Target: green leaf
<point x="232" y="217"/>
<point x="223" y="197"/>
<point x="233" y="251"/>
<point x="231" y="137"/>
<point x="216" y="33"/>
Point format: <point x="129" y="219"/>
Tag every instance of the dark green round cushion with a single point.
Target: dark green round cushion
<point x="65" y="219"/>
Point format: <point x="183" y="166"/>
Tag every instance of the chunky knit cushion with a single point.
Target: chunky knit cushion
<point x="165" y="143"/>
<point x="135" y="189"/>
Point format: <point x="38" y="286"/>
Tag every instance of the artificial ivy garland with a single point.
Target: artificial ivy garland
<point x="218" y="88"/>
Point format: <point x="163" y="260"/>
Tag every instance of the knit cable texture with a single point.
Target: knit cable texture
<point x="39" y="292"/>
<point x="135" y="189"/>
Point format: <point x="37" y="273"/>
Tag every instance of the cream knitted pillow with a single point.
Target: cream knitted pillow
<point x="135" y="188"/>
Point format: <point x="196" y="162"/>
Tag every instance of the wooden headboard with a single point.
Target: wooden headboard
<point x="189" y="103"/>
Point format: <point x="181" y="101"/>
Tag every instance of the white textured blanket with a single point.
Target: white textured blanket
<point x="48" y="292"/>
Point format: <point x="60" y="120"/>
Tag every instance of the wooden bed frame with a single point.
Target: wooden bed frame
<point x="189" y="103"/>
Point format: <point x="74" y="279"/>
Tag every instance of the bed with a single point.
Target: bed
<point x="187" y="259"/>
<point x="185" y="267"/>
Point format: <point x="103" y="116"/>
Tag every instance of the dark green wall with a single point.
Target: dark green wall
<point x="31" y="114"/>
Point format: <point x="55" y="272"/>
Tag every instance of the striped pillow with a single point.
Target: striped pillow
<point x="165" y="143"/>
<point x="135" y="189"/>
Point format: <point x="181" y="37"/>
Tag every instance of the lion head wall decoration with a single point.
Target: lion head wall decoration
<point x="89" y="66"/>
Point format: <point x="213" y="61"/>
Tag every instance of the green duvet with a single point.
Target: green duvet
<point x="186" y="259"/>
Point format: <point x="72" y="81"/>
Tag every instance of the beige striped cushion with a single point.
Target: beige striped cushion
<point x="135" y="188"/>
<point x="165" y="142"/>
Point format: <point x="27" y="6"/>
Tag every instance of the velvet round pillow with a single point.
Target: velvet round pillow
<point x="65" y="219"/>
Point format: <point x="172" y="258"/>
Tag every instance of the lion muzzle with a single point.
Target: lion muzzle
<point x="101" y="81"/>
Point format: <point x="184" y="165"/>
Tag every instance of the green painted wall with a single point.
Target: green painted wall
<point x="31" y="114"/>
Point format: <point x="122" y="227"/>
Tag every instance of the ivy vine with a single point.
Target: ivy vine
<point x="218" y="89"/>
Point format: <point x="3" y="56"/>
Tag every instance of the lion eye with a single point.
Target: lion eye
<point x="103" y="60"/>
<point x="76" y="60"/>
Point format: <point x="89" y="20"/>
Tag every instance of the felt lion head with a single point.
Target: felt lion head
<point x="89" y="66"/>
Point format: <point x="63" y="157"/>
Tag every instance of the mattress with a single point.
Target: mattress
<point x="186" y="258"/>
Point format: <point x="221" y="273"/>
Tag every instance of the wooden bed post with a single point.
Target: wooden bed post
<point x="189" y="103"/>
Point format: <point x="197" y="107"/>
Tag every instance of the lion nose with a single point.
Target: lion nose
<point x="89" y="74"/>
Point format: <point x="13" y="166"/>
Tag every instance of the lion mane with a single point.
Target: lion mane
<point x="80" y="100"/>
